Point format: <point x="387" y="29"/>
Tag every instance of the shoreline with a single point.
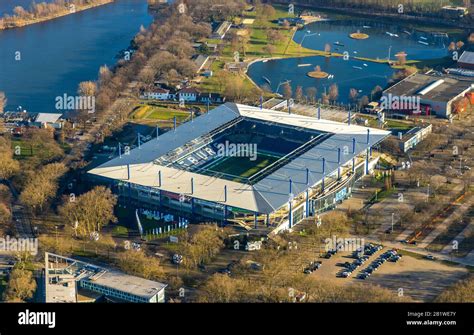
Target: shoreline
<point x="56" y="16"/>
<point x="375" y="15"/>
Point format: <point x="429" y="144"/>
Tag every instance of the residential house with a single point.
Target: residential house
<point x="157" y="94"/>
<point x="221" y="30"/>
<point x="188" y="94"/>
<point x="211" y="98"/>
<point x="200" y="62"/>
<point x="45" y="120"/>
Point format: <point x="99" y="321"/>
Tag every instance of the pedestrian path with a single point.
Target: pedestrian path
<point x="459" y="238"/>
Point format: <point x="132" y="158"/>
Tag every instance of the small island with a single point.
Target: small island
<point x="317" y="73"/>
<point x="359" y="36"/>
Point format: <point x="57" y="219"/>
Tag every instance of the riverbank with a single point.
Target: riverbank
<point x="393" y="16"/>
<point x="67" y="11"/>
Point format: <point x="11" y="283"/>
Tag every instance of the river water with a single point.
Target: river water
<point x="55" y="56"/>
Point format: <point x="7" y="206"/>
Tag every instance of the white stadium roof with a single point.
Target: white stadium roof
<point x="265" y="196"/>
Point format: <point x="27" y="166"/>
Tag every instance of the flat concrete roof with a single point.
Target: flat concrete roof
<point x="266" y="195"/>
<point x="467" y="57"/>
<point x="130" y="284"/>
<point x="80" y="270"/>
<point x="48" y="117"/>
<point x="445" y="92"/>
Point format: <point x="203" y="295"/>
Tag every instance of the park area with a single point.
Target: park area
<point x="152" y="113"/>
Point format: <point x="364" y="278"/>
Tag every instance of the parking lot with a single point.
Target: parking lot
<point x="418" y="278"/>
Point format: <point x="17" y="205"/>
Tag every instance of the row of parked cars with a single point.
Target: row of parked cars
<point x="361" y="256"/>
<point x="313" y="266"/>
<point x="390" y="256"/>
<point x="330" y="253"/>
<point x="351" y="267"/>
<point x="368" y="250"/>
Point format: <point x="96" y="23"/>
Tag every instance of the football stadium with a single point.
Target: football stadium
<point x="257" y="168"/>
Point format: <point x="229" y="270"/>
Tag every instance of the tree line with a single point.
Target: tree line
<point x="44" y="10"/>
<point x="410" y="7"/>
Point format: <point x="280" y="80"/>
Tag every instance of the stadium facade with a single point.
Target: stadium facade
<point x="255" y="167"/>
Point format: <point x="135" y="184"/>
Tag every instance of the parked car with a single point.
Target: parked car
<point x="430" y="257"/>
<point x="315" y="265"/>
<point x="224" y="271"/>
<point x="345" y="274"/>
<point x="362" y="275"/>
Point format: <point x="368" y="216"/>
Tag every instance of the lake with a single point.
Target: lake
<point x="363" y="78"/>
<point x="416" y="44"/>
<point x="57" y="55"/>
<point x="360" y="75"/>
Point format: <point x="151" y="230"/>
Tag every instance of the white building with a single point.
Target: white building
<point x="188" y="94"/>
<point x="157" y="94"/>
<point x="70" y="280"/>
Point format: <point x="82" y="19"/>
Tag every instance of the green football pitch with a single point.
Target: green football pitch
<point x="236" y="168"/>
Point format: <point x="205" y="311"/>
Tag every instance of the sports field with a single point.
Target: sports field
<point x="159" y="113"/>
<point x="236" y="168"/>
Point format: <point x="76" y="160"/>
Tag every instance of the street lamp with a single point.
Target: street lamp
<point x="56" y="229"/>
<point x="281" y="83"/>
<point x="392" y="221"/>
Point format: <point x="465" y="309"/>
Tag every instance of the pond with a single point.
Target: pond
<point x="385" y="40"/>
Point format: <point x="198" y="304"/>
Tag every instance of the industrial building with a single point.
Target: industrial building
<point x="411" y="138"/>
<point x="466" y="61"/>
<point x="435" y="93"/>
<point x="71" y="280"/>
<point x="255" y="167"/>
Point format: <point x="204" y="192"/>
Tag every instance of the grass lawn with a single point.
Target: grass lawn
<point x="254" y="48"/>
<point x="120" y="231"/>
<point x="382" y="195"/>
<point x="159" y="113"/>
<point x="25" y="148"/>
<point x="242" y="167"/>
<point x="394" y="124"/>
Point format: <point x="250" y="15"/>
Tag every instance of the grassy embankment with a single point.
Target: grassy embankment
<point x="254" y="49"/>
<point x="26" y="22"/>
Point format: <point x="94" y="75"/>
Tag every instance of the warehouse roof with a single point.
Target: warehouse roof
<point x="448" y="88"/>
<point x="467" y="57"/>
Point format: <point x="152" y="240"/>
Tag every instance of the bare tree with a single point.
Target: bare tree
<point x="3" y="101"/>
<point x="90" y="211"/>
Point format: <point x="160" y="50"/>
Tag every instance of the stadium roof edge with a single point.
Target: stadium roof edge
<point x="266" y="195"/>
